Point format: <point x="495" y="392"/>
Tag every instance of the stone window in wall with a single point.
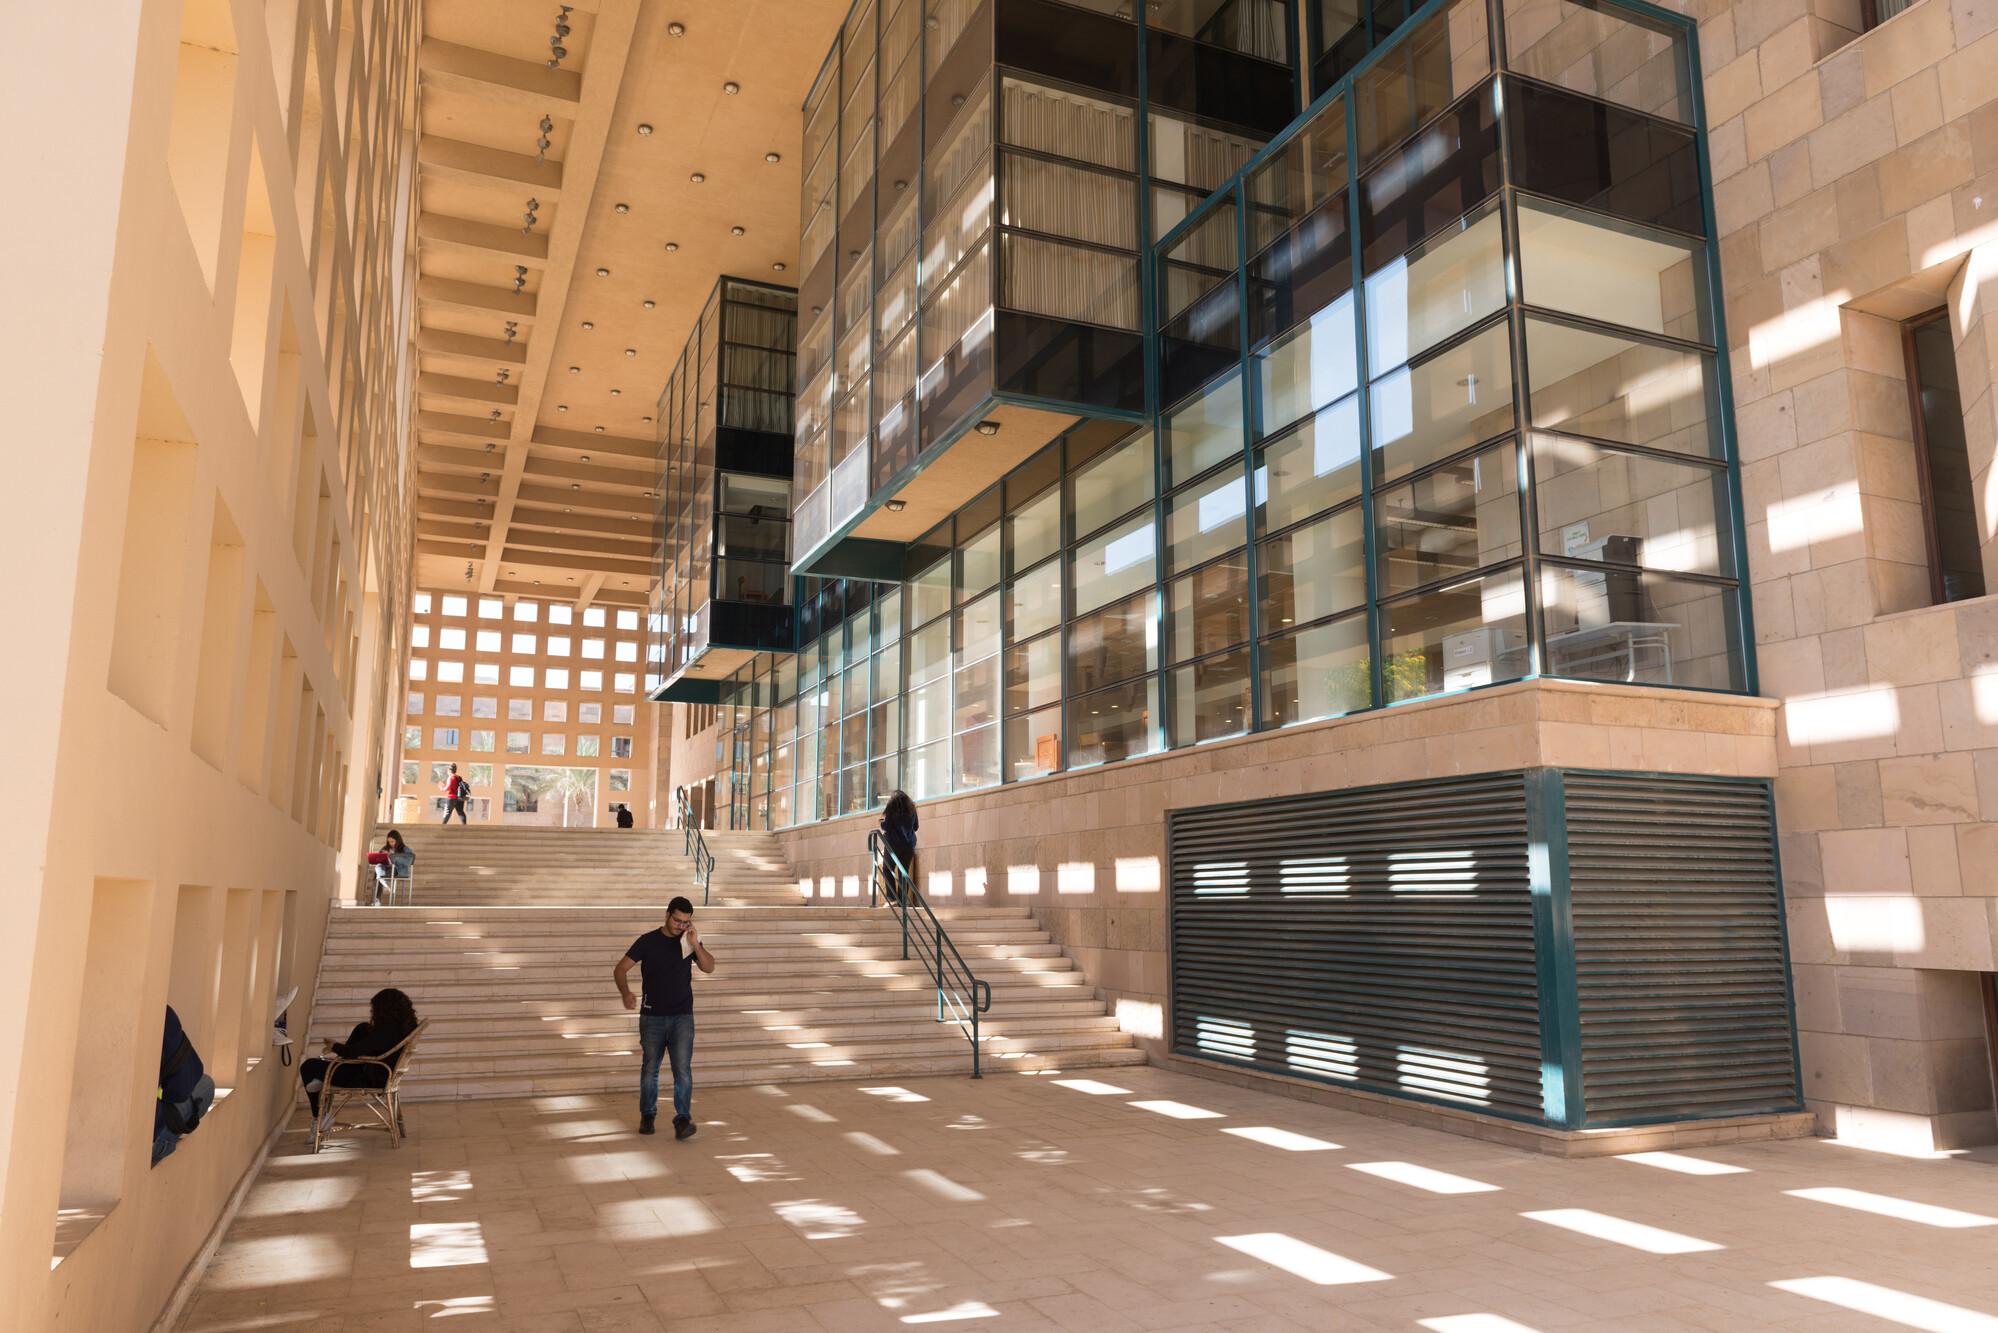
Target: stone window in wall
<point x="590" y="713"/>
<point x="520" y="677"/>
<point x="421" y="604"/>
<point x="622" y="714"/>
<point x="489" y="641"/>
<point x="419" y="636"/>
<point x="560" y="615"/>
<point x="444" y="738"/>
<point x="593" y="649"/>
<point x="451" y="640"/>
<point x="412" y="738"/>
<point x="526" y="612"/>
<point x="415" y="705"/>
<point x="592" y="680"/>
<point x="627" y="620"/>
<point x="419" y="669"/>
<point x="553" y="742"/>
<point x="586" y="747"/>
<point x="454" y="607"/>
<point x="620" y="779"/>
<point x="451" y="673"/>
<point x="492" y="608"/>
<point x="482" y="741"/>
<point x="555" y="710"/>
<point x="593" y="618"/>
<point x="448" y="705"/>
<point x="412" y="772"/>
<point x="557" y="678"/>
<point x="485" y="673"/>
<point x="627" y="683"/>
<point x="516" y="742"/>
<point x="483" y="706"/>
<point x="558" y="645"/>
<point x="620" y="747"/>
<point x="1956" y="565"/>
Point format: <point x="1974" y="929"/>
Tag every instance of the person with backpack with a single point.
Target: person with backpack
<point x="456" y="790"/>
<point x="185" y="1091"/>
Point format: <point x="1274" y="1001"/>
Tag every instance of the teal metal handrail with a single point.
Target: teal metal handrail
<point x="694" y="845"/>
<point x="961" y="996"/>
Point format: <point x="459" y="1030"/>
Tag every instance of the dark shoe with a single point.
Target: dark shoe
<point x="645" y="1124"/>
<point x="683" y="1128"/>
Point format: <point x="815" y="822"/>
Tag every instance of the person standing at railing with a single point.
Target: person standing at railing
<point x="898" y="830"/>
<point x="667" y="958"/>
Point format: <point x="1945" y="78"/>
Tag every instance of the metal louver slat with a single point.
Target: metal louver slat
<point x="1681" y="977"/>
<point x="1379" y="938"/>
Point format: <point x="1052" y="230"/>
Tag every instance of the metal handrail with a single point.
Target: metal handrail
<point x="694" y="845"/>
<point x="961" y="996"/>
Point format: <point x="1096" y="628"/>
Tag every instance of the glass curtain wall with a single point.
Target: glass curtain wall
<point x="976" y="211"/>
<point x="725" y="453"/>
<point x="1440" y="407"/>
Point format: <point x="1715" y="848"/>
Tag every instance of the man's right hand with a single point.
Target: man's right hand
<point x="630" y="1000"/>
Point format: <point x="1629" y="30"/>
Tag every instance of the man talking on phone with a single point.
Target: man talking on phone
<point x="666" y="958"/>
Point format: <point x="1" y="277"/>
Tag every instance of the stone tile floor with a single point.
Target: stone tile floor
<point x="1147" y="1200"/>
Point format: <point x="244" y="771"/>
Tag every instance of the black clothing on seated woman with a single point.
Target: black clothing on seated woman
<point x="366" y="1041"/>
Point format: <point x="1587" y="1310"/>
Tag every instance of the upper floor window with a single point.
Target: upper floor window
<point x="1956" y="562"/>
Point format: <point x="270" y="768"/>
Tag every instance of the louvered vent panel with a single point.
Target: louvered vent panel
<point x="1683" y="992"/>
<point x="1380" y="939"/>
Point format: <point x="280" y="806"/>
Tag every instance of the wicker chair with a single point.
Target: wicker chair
<point x="384" y="1103"/>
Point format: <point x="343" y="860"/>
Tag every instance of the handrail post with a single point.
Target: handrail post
<point x="903" y="908"/>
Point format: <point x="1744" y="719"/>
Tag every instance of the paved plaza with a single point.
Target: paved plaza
<point x="1152" y="1200"/>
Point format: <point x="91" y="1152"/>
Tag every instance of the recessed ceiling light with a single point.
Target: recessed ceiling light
<point x="648" y="494"/>
<point x="648" y="304"/>
<point x="567" y="510"/>
<point x="561" y="407"/>
<point x="897" y="506"/>
<point x="631" y="351"/>
<point x="676" y="30"/>
<point x="603" y="273"/>
<point x="987" y="427"/>
<point x="731" y="88"/>
<point x="643" y="128"/>
<point x="589" y="324"/>
<point x="698" y="177"/>
<point x="617" y="393"/>
<point x="600" y="430"/>
<point x="773" y="157"/>
<point x="735" y="231"/>
<point x="671" y="246"/>
<point x="575" y="485"/>
<point x="779" y="267"/>
<point x="620" y="208"/>
<point x="575" y="370"/>
<point x="646" y="420"/>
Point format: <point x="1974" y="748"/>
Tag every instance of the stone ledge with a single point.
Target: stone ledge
<point x="1510" y="1133"/>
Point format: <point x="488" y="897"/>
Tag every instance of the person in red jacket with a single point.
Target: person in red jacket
<point x="456" y="789"/>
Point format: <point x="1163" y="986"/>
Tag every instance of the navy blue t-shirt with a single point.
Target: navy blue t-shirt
<point x="668" y="978"/>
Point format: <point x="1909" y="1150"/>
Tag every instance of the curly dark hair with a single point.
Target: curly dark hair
<point x="391" y="1011"/>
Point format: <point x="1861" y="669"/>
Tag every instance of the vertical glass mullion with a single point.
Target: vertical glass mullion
<point x="1369" y="538"/>
<point x="1522" y="382"/>
<point x="1148" y="305"/>
<point x="1251" y="415"/>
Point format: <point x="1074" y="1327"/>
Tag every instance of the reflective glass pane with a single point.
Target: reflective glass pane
<point x="1033" y="674"/>
<point x="1457" y="518"/>
<point x="929" y="712"/>
<point x="1634" y="509"/>
<point x="1613" y="271"/>
<point x="977" y="700"/>
<point x="1207" y="519"/>
<point x="978" y="629"/>
<point x="1456" y="398"/>
<point x="1620" y="389"/>
<point x="978" y="563"/>
<point x="1033" y="744"/>
<point x="1473" y="633"/>
<point x="929" y="652"/>
<point x="1119" y="561"/>
<point x="1117" y="723"/>
<point x="1604" y="157"/>
<point x="1114" y="645"/>
<point x="1206" y="430"/>
<point x="1114" y="483"/>
<point x="1210" y="699"/>
<point x="978" y="758"/>
<point x="1208" y="610"/>
<point x="1035" y="529"/>
<point x="1422" y="73"/>
<point x="1314" y="571"/>
<point x="1441" y="287"/>
<point x="1318" y="672"/>
<point x="929" y="770"/>
<point x="929" y="593"/>
<point x="1033" y="603"/>
<point x="1643" y="629"/>
<point x="1311" y="469"/>
<point x="1308" y="367"/>
<point x="1601" y="52"/>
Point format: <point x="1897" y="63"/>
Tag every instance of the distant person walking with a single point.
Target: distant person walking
<point x="898" y="830"/>
<point x="624" y="819"/>
<point x="666" y="958"/>
<point x="456" y="789"/>
<point x="393" y="862"/>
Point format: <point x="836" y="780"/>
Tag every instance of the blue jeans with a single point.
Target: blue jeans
<point x="666" y="1035"/>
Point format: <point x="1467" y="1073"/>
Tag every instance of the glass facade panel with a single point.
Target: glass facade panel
<point x="1622" y="390"/>
<point x="1461" y="516"/>
<point x="1104" y="600"/>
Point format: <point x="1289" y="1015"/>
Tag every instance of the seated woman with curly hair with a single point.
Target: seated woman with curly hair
<point x="391" y="1017"/>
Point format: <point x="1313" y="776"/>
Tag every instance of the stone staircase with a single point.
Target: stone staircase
<point x="502" y="866"/>
<point x="521" y="1000"/>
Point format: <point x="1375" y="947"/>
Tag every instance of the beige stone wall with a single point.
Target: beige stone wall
<point x="209" y="544"/>
<point x="1855" y="189"/>
<point x="1086" y="851"/>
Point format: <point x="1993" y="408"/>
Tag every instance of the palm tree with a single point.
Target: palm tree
<point x="577" y="788"/>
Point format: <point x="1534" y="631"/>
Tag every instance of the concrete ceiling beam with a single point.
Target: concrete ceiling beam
<point x="497" y="78"/>
<point x="444" y="342"/>
<point x="470" y="391"/>
<point x="483" y="238"/>
<point x="477" y="298"/>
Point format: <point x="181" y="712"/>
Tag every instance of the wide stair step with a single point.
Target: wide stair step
<point x="510" y="955"/>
